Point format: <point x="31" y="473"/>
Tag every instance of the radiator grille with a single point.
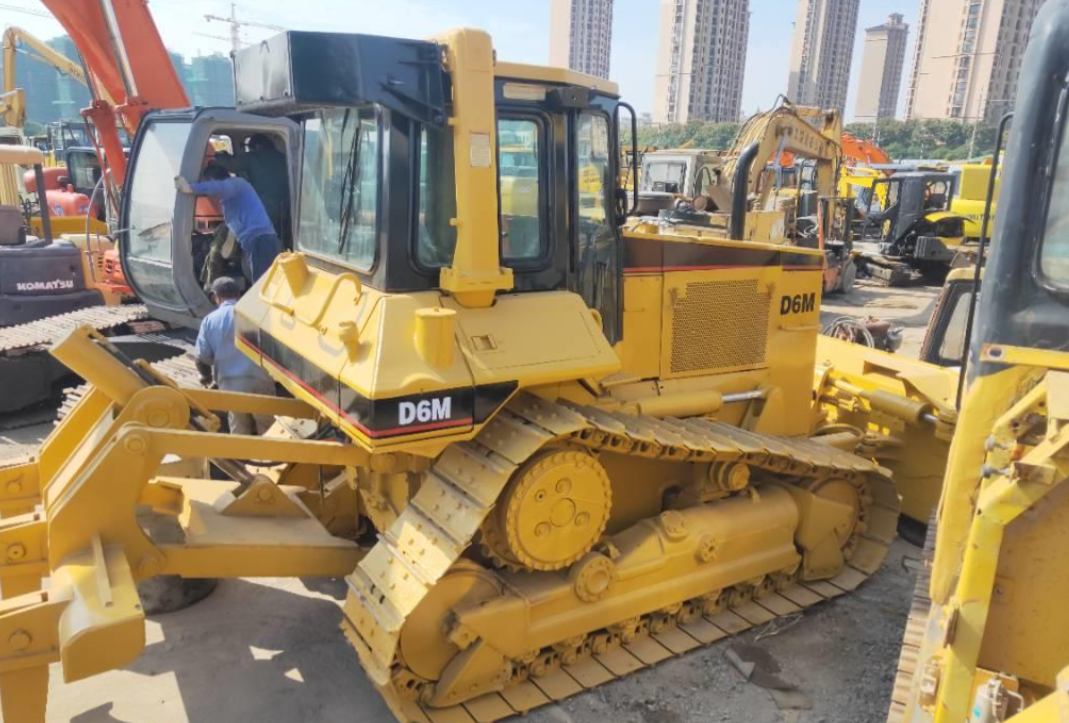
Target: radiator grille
<point x="720" y="325"/>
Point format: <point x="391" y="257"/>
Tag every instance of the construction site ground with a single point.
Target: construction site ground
<point x="269" y="650"/>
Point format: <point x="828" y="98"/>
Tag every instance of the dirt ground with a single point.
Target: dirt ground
<point x="269" y="650"/>
<point x="910" y="308"/>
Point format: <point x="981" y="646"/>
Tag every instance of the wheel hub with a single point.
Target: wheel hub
<point x="552" y="512"/>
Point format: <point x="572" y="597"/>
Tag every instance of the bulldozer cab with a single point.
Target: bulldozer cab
<point x="378" y="191"/>
<point x="166" y="235"/>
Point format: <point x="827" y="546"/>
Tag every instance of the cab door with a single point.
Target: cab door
<point x="598" y="277"/>
<point x="161" y="245"/>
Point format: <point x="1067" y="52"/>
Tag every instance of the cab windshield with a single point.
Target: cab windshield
<point x="339" y="186"/>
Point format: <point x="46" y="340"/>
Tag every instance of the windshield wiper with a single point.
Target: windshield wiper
<point x="350" y="185"/>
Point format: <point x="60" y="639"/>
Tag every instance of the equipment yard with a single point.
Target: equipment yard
<point x="374" y="373"/>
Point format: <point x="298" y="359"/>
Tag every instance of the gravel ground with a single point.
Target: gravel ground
<point x="269" y="650"/>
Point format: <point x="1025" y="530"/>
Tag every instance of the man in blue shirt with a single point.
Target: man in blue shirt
<point x="218" y="358"/>
<point x="243" y="213"/>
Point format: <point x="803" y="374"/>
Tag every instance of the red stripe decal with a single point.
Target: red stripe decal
<point x="660" y="269"/>
<point x="395" y="431"/>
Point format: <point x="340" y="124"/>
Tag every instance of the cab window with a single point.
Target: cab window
<point x="436" y="235"/>
<point x="520" y="192"/>
<point x="596" y="234"/>
<point x="520" y="184"/>
<point x="339" y="186"/>
<point x="1054" y="254"/>
<point x="952" y="347"/>
<point x="150" y="208"/>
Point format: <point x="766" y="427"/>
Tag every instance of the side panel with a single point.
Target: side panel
<point x="731" y="316"/>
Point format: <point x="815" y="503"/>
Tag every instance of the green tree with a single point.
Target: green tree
<point x="928" y="139"/>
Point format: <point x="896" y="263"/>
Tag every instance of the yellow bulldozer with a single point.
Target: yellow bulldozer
<point x="545" y="445"/>
<point x="545" y="451"/>
<point x="987" y="639"/>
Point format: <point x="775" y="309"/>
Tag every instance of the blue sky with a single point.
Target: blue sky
<point x="520" y="29"/>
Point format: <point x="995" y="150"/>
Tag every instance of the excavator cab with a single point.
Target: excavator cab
<point x="166" y="235"/>
<point x="671" y="175"/>
<point x="916" y="223"/>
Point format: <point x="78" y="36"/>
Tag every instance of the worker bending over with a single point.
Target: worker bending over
<point x="217" y="358"/>
<point x="265" y="167"/>
<point x="243" y="213"/>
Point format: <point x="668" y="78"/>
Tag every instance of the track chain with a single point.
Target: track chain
<point x="44" y="332"/>
<point x="916" y="625"/>
<point x="457" y="494"/>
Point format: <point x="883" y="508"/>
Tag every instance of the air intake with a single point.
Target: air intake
<point x="719" y="326"/>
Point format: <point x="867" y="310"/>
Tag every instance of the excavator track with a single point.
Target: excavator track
<point x="887" y="272"/>
<point x="29" y="376"/>
<point x="437" y="534"/>
<point x="44" y="332"/>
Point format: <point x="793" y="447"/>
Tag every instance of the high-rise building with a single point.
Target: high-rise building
<point x="821" y="52"/>
<point x="881" y="70"/>
<point x="580" y="35"/>
<point x="968" y="57"/>
<point x="71" y="96"/>
<point x="178" y="62"/>
<point x="210" y="80"/>
<point x="701" y="60"/>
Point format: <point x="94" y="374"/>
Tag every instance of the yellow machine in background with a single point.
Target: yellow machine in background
<point x="12" y="99"/>
<point x="43" y="271"/>
<point x="970" y="194"/>
<point x="549" y="445"/>
<point x="988" y="639"/>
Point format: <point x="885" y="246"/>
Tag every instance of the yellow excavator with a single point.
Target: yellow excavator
<point x="987" y="639"/>
<point x="15" y="41"/>
<point x="677" y="182"/>
<point x="545" y="448"/>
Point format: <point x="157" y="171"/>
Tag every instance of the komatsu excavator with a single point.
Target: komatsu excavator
<point x="548" y="445"/>
<point x="987" y="639"/>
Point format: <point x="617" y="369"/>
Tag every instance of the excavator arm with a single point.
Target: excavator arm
<point x="38" y="50"/>
<point x="806" y="132"/>
<point x="13" y="108"/>
<point x="129" y="69"/>
<point x="12" y="101"/>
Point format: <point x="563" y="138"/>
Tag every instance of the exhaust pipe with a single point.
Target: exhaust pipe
<point x="740" y="190"/>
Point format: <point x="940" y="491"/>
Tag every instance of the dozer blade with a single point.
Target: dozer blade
<point x="74" y="515"/>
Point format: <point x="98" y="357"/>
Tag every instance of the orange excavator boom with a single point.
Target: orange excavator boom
<point x="857" y="151"/>
<point x="127" y="61"/>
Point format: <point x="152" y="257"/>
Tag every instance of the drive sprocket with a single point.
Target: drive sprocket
<point x="552" y="512"/>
